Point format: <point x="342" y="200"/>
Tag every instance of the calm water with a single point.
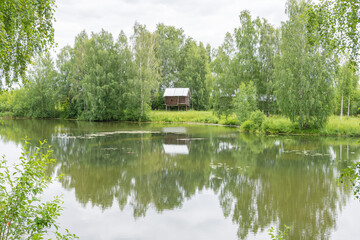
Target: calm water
<point x="130" y="181"/>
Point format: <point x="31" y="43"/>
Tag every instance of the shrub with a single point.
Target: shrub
<point x="352" y="175"/>
<point x="248" y="126"/>
<point x="258" y="118"/>
<point x="22" y="214"/>
<point x="229" y="121"/>
<point x="278" y="125"/>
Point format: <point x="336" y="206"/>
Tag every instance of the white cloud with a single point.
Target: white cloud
<point x="203" y="20"/>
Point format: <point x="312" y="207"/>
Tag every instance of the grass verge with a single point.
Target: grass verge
<point x="348" y="126"/>
<point x="191" y="116"/>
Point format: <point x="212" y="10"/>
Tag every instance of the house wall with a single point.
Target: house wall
<point x="171" y="101"/>
<point x="175" y="101"/>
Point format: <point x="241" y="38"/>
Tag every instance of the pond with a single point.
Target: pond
<point x="173" y="181"/>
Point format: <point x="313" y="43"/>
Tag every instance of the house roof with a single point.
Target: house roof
<point x="175" y="92"/>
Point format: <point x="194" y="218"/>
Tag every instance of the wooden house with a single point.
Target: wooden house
<point x="177" y="97"/>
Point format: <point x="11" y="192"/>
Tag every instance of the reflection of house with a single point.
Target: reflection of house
<point x="174" y="149"/>
<point x="177" y="97"/>
<point x="174" y="130"/>
<point x="176" y="144"/>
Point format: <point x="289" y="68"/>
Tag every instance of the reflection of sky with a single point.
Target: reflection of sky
<point x="11" y="151"/>
<point x="225" y="146"/>
<point x="199" y="218"/>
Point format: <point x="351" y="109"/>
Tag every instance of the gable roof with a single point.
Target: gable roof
<point x="174" y="92"/>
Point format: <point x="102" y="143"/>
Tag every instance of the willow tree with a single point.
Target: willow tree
<point x="100" y="83"/>
<point x="305" y="74"/>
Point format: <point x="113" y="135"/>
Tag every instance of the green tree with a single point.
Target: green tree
<point x="224" y="85"/>
<point x="245" y="56"/>
<point x="124" y="72"/>
<point x="345" y="85"/>
<point x="40" y="90"/>
<point x="170" y="41"/>
<point x="78" y="71"/>
<point x="246" y="65"/>
<point x="245" y="102"/>
<point x="147" y="71"/>
<point x="94" y="76"/>
<point x="26" y="26"/>
<point x="194" y="73"/>
<point x="337" y="23"/>
<point x="268" y="50"/>
<point x="304" y="74"/>
<point x="100" y="83"/>
<point x="65" y="74"/>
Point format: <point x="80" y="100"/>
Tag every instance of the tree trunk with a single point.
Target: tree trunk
<point x="341" y="108"/>
<point x="349" y="106"/>
<point x="141" y="93"/>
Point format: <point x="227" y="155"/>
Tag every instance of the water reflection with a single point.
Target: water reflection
<point x="260" y="181"/>
<point x="176" y="144"/>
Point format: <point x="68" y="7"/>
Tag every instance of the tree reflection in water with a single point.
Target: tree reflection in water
<point x="260" y="181"/>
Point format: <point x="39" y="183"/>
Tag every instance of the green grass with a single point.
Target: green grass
<point x="278" y="124"/>
<point x="191" y="116"/>
<point x="345" y="127"/>
<point x="271" y="125"/>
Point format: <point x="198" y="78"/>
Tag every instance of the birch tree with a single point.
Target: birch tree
<point x="26" y="26"/>
<point x="305" y="75"/>
<point x="147" y="73"/>
<point x="268" y="50"/>
<point x="346" y="84"/>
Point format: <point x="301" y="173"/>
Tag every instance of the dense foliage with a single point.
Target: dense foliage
<point x="337" y="22"/>
<point x="304" y="74"/>
<point x="26" y="26"/>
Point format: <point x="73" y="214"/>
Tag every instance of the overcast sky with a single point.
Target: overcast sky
<point x="203" y="20"/>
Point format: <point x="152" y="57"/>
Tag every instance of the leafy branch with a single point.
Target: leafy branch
<point x="22" y="213"/>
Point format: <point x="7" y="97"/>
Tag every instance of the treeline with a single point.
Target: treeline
<point x="258" y="67"/>
<point x="100" y="78"/>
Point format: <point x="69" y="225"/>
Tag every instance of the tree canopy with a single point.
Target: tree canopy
<point x="26" y="26"/>
<point x="335" y="24"/>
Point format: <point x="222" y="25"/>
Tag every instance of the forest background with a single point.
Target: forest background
<point x="258" y="70"/>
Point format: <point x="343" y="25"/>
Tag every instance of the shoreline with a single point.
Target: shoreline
<point x="316" y="133"/>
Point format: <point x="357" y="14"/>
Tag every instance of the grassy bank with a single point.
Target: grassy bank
<point x="192" y="116"/>
<point x="268" y="125"/>
<point x="347" y="126"/>
<point x="272" y="125"/>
